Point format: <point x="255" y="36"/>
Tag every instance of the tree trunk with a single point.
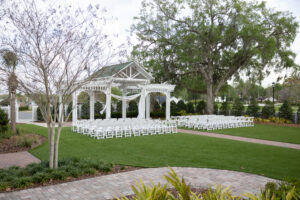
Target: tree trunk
<point x="56" y="147"/>
<point x="51" y="145"/>
<point x="210" y="98"/>
<point x="13" y="111"/>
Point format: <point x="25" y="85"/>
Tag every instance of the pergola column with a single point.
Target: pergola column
<point x="123" y="103"/>
<point x="142" y="107"/>
<point x="148" y="106"/>
<point x="168" y="113"/>
<point x="108" y="102"/>
<point x="74" y="107"/>
<point x="92" y="105"/>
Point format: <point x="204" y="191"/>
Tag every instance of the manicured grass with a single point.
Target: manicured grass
<point x="265" y="132"/>
<point x="178" y="150"/>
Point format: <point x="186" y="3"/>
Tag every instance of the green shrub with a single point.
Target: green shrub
<point x="224" y="110"/>
<point x="39" y="114"/>
<point x="200" y="108"/>
<point x="58" y="175"/>
<point x="3" y="121"/>
<point x="40" y="177"/>
<point x="21" y="182"/>
<point x="253" y="108"/>
<point x="283" y="188"/>
<point x="268" y="110"/>
<point x="173" y="106"/>
<point x="3" y="186"/>
<point x="216" y="108"/>
<point x="238" y="108"/>
<point x="132" y="106"/>
<point x="286" y="111"/>
<point x="89" y="171"/>
<point x="190" y="108"/>
<point x="85" y="110"/>
<point x="181" y="105"/>
<point x="106" y="167"/>
<point x="98" y="108"/>
<point x="157" y="114"/>
<point x="23" y="108"/>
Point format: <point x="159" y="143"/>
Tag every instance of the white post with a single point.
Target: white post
<point x="60" y="111"/>
<point x="17" y="111"/>
<point x="168" y="106"/>
<point x="108" y="102"/>
<point x="123" y="103"/>
<point x="74" y="108"/>
<point x="92" y="105"/>
<point x="148" y="106"/>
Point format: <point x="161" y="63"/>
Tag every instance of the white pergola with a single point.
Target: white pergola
<point x="129" y="77"/>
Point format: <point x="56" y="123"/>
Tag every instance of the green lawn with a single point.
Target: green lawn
<point x="265" y="132"/>
<point x="177" y="150"/>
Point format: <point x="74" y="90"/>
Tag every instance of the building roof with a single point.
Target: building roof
<point x="108" y="71"/>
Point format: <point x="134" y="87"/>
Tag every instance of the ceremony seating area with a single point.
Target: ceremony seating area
<point x="212" y="122"/>
<point x="117" y="128"/>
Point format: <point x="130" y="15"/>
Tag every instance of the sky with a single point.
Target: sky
<point x="125" y="10"/>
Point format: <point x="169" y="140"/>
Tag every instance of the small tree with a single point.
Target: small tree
<point x="216" y="108"/>
<point x="132" y="106"/>
<point x="98" y="107"/>
<point x="173" y="108"/>
<point x="190" y="108"/>
<point x="156" y="106"/>
<point x="200" y="107"/>
<point x="85" y="110"/>
<point x="253" y="108"/>
<point x="3" y="121"/>
<point x="238" y="107"/>
<point x="268" y="110"/>
<point x="224" y="110"/>
<point x="286" y="111"/>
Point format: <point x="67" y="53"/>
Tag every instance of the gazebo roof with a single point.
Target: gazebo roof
<point x="111" y="70"/>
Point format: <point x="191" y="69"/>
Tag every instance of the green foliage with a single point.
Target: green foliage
<point x="3" y="121"/>
<point x="282" y="189"/>
<point x="285" y="111"/>
<point x="268" y="110"/>
<point x="119" y="106"/>
<point x="200" y="108"/>
<point x="216" y="108"/>
<point x="23" y="108"/>
<point x="38" y="173"/>
<point x="85" y="109"/>
<point x="156" y="107"/>
<point x="190" y="108"/>
<point x="253" y="108"/>
<point x="224" y="110"/>
<point x="39" y="115"/>
<point x="98" y="108"/>
<point x="5" y="102"/>
<point x="174" y="109"/>
<point x="181" y="106"/>
<point x="238" y="107"/>
<point x="132" y="106"/>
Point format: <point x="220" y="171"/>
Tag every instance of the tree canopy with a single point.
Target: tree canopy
<point x="213" y="39"/>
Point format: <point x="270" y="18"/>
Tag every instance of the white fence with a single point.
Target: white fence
<point x="22" y="116"/>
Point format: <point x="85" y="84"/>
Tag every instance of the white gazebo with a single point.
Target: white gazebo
<point x="129" y="77"/>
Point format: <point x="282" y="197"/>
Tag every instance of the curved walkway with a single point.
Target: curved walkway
<point x="20" y="159"/>
<point x="243" y="139"/>
<point x="107" y="187"/>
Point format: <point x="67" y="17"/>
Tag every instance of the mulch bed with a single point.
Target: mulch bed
<point x="174" y="192"/>
<point x="9" y="145"/>
<point x="116" y="169"/>
<point x="276" y="124"/>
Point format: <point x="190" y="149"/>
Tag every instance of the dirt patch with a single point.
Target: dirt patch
<point x="21" y="143"/>
<point x="276" y="124"/>
<point x="174" y="192"/>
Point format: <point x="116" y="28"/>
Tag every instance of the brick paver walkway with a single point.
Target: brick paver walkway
<point x="21" y="159"/>
<point x="243" y="139"/>
<point x="106" y="187"/>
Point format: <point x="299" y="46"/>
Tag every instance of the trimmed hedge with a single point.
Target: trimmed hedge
<point x="3" y="121"/>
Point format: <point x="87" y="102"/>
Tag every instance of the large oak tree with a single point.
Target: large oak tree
<point x="215" y="39"/>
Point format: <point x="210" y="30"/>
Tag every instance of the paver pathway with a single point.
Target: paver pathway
<point x="107" y="187"/>
<point x="243" y="139"/>
<point x="20" y="159"/>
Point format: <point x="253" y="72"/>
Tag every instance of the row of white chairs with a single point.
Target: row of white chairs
<point x="112" y="128"/>
<point x="213" y="122"/>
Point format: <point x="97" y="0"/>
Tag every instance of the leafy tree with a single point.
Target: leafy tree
<point x="8" y="67"/>
<point x="268" y="110"/>
<point x="253" y="108"/>
<point x="190" y="108"/>
<point x="286" y="111"/>
<point x="98" y="107"/>
<point x="119" y="106"/>
<point x="173" y="108"/>
<point x="156" y="106"/>
<point x="216" y="108"/>
<point x="85" y="110"/>
<point x="200" y="107"/>
<point x="132" y="106"/>
<point x="181" y="105"/>
<point x="3" y="121"/>
<point x="224" y="110"/>
<point x="214" y="39"/>
<point x="238" y="107"/>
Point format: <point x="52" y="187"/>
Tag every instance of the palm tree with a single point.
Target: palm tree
<point x="8" y="66"/>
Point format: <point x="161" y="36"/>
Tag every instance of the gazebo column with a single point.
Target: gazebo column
<point x="92" y="105"/>
<point x="148" y="106"/>
<point x="108" y="102"/>
<point x="74" y="107"/>
<point x="123" y="103"/>
<point x="168" y="113"/>
<point x="142" y="107"/>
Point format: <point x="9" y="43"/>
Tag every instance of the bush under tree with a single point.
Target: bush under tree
<point x="3" y="121"/>
<point x="238" y="108"/>
<point x="253" y="108"/>
<point x="224" y="110"/>
<point x="85" y="110"/>
<point x="286" y="111"/>
<point x="173" y="108"/>
<point x="268" y="110"/>
<point x="132" y="106"/>
<point x="200" y="108"/>
<point x="216" y="108"/>
<point x="181" y="105"/>
<point x="190" y="108"/>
